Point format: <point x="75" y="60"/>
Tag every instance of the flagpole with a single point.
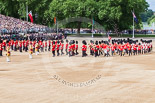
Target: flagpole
<point x="92" y="31"/>
<point x="57" y="27"/>
<point x="92" y="28"/>
<point x="26" y="13"/>
<point x="133" y="36"/>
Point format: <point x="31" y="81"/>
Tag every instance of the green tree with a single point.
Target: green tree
<point x="146" y="15"/>
<point x="117" y="14"/>
<point x="151" y="20"/>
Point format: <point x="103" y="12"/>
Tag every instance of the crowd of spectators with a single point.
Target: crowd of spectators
<point x="10" y="25"/>
<point x="12" y="28"/>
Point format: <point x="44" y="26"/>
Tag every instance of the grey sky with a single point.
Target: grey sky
<point x="152" y="4"/>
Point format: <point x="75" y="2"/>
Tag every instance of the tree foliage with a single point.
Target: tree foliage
<point x="146" y="15"/>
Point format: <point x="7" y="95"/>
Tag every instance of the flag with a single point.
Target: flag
<point x="55" y="20"/>
<point x="135" y="18"/>
<point x="92" y="22"/>
<point x="109" y="37"/>
<point x="30" y="16"/>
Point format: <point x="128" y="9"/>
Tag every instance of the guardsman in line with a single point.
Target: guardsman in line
<point x="62" y="47"/>
<point x="53" y="48"/>
<point x="105" y="50"/>
<point x="121" y="49"/>
<point x="33" y="45"/>
<point x="108" y="49"/>
<point x="129" y="47"/>
<point x="96" y="49"/>
<point x="112" y="49"/>
<point x="66" y="47"/>
<point x="20" y="46"/>
<point x="26" y="45"/>
<point x="30" y="50"/>
<point x="84" y="48"/>
<point x="4" y="45"/>
<point x="1" y="47"/>
<point x="58" y="47"/>
<point x="76" y="48"/>
<point x="37" y="48"/>
<point x="100" y="48"/>
<point x="139" y="48"/>
<point x="70" y="49"/>
<point x="125" y="51"/>
<point x="73" y="47"/>
<point x="15" y="45"/>
<point x="49" y="45"/>
<point x="8" y="53"/>
<point x="12" y="44"/>
<point x="23" y="44"/>
<point x="135" y="49"/>
<point x="91" y="46"/>
<point x="46" y="45"/>
<point x="41" y="45"/>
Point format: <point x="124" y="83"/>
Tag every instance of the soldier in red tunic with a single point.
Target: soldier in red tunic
<point x="58" y="47"/>
<point x="84" y="48"/>
<point x="53" y="48"/>
<point x="112" y="49"/>
<point x="76" y="48"/>
<point x="91" y="46"/>
<point x="49" y="45"/>
<point x="139" y="48"/>
<point x="96" y="49"/>
<point x="26" y="46"/>
<point x="45" y="45"/>
<point x="73" y="47"/>
<point x="15" y="45"/>
<point x="1" y="47"/>
<point x="62" y="47"/>
<point x="70" y="49"/>
<point x="129" y="47"/>
<point x="100" y="48"/>
<point x="20" y="46"/>
<point x="135" y="49"/>
<point x="33" y="45"/>
<point x="4" y="45"/>
<point x="66" y="47"/>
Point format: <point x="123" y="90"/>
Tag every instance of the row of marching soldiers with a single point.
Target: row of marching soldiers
<point x="37" y="46"/>
<point x="118" y="47"/>
<point x="97" y="48"/>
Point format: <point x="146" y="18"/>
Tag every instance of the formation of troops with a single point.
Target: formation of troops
<point x="108" y="48"/>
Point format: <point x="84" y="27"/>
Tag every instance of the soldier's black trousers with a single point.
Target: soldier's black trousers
<point x="139" y="51"/>
<point x="130" y="53"/>
<point x="11" y="47"/>
<point x="4" y="48"/>
<point x="66" y="52"/>
<point x="53" y="52"/>
<point x="112" y="52"/>
<point x="0" y="52"/>
<point x="49" y="48"/>
<point x="76" y="52"/>
<point x="58" y="53"/>
<point x="84" y="53"/>
<point x="33" y="50"/>
<point x="120" y="53"/>
<point x="26" y="48"/>
<point x="20" y="49"/>
<point x="62" y="52"/>
<point x="96" y="54"/>
<point x="135" y="52"/>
